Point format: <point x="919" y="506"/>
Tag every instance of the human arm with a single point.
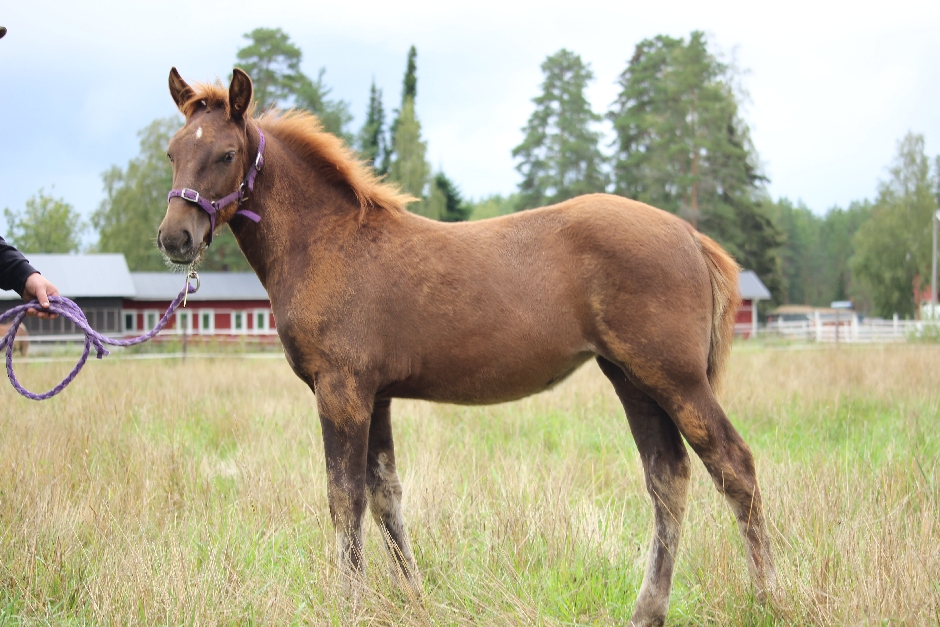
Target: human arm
<point x="18" y="275"/>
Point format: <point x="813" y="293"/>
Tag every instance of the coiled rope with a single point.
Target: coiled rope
<point x="69" y="310"/>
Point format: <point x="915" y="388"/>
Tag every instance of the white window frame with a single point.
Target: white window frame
<point x="129" y="330"/>
<point x="188" y="316"/>
<point x="266" y="313"/>
<point x="210" y="329"/>
<point x="243" y="315"/>
<point x="148" y="313"/>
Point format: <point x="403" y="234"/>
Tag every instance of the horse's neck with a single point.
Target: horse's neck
<point x="299" y="209"/>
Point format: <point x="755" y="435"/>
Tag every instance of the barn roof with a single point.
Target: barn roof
<point x="83" y="276"/>
<point x="213" y="286"/>
<point x="751" y="287"/>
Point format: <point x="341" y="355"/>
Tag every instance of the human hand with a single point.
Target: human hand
<point x="39" y="288"/>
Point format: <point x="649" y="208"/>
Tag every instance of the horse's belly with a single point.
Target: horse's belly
<point x="505" y="378"/>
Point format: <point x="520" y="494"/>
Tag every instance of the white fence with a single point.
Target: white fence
<point x="851" y="330"/>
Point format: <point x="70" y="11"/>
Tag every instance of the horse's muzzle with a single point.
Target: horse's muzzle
<point x="179" y="246"/>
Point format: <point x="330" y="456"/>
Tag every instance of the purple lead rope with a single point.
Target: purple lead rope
<point x="68" y="309"/>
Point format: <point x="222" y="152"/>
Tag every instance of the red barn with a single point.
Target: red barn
<point x="752" y="291"/>
<point x="227" y="304"/>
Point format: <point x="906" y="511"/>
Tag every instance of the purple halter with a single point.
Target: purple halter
<point x="240" y="195"/>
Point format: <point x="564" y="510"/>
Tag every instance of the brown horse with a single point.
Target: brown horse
<point x="374" y="303"/>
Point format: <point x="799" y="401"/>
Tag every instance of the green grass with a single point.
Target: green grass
<point x="193" y="493"/>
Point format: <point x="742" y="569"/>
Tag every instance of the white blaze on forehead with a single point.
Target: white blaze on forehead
<point x="198" y="132"/>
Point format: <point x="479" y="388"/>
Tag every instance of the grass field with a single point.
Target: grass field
<point x="163" y="492"/>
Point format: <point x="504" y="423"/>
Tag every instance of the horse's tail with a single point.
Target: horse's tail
<point x="723" y="272"/>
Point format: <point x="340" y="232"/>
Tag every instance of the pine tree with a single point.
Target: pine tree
<point x="273" y="63"/>
<point x="680" y="141"/>
<point x="559" y="156"/>
<point x="371" y="141"/>
<point x="682" y="146"/>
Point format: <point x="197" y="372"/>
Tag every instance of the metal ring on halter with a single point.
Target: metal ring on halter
<point x="192" y="275"/>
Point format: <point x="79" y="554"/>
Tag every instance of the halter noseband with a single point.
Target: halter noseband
<point x="240" y="195"/>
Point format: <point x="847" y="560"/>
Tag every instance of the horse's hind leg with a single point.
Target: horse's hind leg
<point x="667" y="469"/>
<point x="730" y="463"/>
<point x="384" y="490"/>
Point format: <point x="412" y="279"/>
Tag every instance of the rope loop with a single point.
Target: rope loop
<point x="70" y="311"/>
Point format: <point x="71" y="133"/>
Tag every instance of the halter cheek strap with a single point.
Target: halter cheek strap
<point x="240" y="195"/>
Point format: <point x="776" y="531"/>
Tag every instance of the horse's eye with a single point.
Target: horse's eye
<point x="169" y="157"/>
<point x="229" y="156"/>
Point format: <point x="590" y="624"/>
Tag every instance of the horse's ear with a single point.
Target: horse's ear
<point x="239" y="93"/>
<point x="180" y="91"/>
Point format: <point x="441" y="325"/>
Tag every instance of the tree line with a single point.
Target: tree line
<point x="679" y="143"/>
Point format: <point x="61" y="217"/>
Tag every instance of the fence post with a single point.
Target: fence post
<point x="754" y="318"/>
<point x="819" y="336"/>
<point x="895" y="326"/>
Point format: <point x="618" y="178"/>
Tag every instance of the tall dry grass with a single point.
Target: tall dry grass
<point x="161" y="492"/>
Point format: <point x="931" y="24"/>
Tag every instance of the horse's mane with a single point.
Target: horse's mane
<point x="303" y="133"/>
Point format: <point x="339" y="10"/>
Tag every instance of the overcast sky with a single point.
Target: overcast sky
<point x="833" y="85"/>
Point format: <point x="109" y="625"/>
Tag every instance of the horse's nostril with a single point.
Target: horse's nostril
<point x="187" y="240"/>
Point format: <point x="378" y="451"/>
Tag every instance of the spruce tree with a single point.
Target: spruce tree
<point x="559" y="156"/>
<point x="409" y="90"/>
<point x="406" y="159"/>
<point x="445" y="202"/>
<point x="372" y="143"/>
<point x="435" y="207"/>
<point x="409" y="167"/>
<point x="410" y="82"/>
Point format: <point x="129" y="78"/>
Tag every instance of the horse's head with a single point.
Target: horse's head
<point x="210" y="158"/>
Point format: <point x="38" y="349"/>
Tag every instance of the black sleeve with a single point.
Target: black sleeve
<point x="14" y="268"/>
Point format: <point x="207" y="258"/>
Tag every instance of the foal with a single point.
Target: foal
<point x="374" y="303"/>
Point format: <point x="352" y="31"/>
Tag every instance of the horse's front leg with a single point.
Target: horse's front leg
<point x="344" y="417"/>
